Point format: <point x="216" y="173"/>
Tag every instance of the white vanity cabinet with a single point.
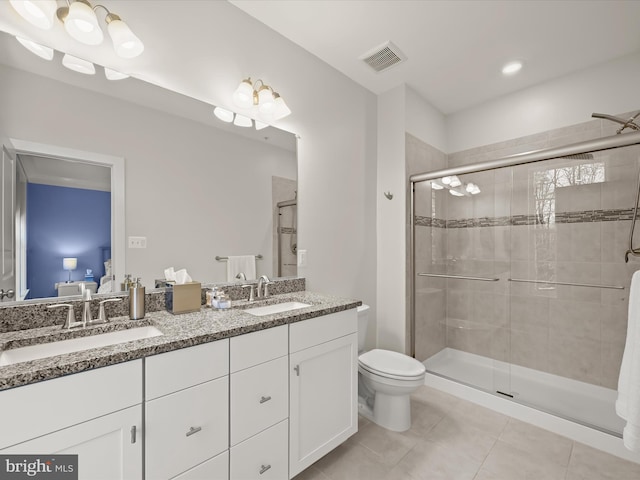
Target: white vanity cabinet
<point x="323" y="386"/>
<point x="96" y="415"/>
<point x="187" y="412"/>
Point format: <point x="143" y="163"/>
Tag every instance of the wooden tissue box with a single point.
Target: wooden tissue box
<point x="183" y="298"/>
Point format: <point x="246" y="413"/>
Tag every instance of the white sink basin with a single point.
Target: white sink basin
<point x="43" y="350"/>
<point x="276" y="308"/>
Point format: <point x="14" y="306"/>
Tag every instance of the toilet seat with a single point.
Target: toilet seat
<point x="386" y="363"/>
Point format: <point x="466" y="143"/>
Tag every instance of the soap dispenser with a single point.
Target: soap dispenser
<point x="136" y="300"/>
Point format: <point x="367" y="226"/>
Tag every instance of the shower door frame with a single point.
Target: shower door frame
<point x="589" y="146"/>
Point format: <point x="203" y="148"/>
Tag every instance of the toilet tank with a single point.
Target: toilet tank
<point x="363" y="319"/>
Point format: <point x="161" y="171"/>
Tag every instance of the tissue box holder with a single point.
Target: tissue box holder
<point x="183" y="298"/>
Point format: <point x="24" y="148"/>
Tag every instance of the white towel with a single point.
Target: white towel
<point x="628" y="402"/>
<point x="242" y="263"/>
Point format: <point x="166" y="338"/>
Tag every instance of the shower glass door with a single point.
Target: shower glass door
<point x="526" y="286"/>
<point x="462" y="240"/>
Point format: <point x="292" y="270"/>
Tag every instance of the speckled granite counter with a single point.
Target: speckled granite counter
<point x="179" y="331"/>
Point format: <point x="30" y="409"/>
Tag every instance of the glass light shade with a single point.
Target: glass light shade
<point x="260" y="125"/>
<point x="456" y="193"/>
<point x="469" y="187"/>
<point x="455" y="182"/>
<point x="37" y="12"/>
<point x="82" y="24"/>
<point x="281" y="109"/>
<point x="243" y="96"/>
<point x="223" y="114"/>
<point x="436" y="186"/>
<point x="39" y="50"/>
<point x="476" y="190"/>
<point x="242" y="121"/>
<point x="114" y="74"/>
<point x="266" y="101"/>
<point x="446" y="180"/>
<point x="69" y="263"/>
<point x="78" y="65"/>
<point x="125" y="42"/>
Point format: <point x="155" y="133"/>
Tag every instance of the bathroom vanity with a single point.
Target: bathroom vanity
<point x="220" y="394"/>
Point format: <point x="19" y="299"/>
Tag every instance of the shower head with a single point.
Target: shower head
<point x="625" y="123"/>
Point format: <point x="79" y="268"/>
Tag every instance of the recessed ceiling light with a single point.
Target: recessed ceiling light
<point x="512" y="67"/>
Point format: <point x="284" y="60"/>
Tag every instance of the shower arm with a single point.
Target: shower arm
<point x="625" y="123"/>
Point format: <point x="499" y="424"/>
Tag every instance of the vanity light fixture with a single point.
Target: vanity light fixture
<point x="242" y="121"/>
<point x="268" y="104"/>
<point x="81" y="23"/>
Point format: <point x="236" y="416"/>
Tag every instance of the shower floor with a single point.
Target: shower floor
<point x="582" y="402"/>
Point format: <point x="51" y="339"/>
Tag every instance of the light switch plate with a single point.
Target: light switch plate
<point x="137" y="242"/>
<point x="302" y="258"/>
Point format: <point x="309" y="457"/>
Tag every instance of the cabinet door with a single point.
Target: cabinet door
<point x="108" y="448"/>
<point x="323" y="400"/>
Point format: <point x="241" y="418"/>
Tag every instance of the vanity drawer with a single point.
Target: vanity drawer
<point x="186" y="428"/>
<point x="259" y="347"/>
<point x="263" y="457"/>
<point x="259" y="398"/>
<point x="215" y="469"/>
<point x="173" y="371"/>
<point x="322" y="329"/>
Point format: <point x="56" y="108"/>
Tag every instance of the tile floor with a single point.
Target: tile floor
<point x="452" y="439"/>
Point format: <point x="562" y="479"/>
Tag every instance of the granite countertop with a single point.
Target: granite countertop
<point x="179" y="331"/>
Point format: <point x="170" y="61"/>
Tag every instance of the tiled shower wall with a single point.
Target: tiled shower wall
<point x="503" y="232"/>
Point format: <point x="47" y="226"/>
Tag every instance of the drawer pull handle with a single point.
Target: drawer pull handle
<point x="193" y="430"/>
<point x="133" y="434"/>
<point x="265" y="399"/>
<point x="264" y="468"/>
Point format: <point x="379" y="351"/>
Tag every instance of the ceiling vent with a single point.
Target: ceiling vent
<point x="383" y="57"/>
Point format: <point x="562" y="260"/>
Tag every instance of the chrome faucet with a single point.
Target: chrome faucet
<point x="86" y="307"/>
<point x="263" y="287"/>
<point x="70" y="322"/>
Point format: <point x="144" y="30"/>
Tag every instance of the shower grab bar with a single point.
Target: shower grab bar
<point x="460" y="277"/>
<point x="614" y="287"/>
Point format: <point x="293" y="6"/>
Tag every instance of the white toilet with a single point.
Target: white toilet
<point x="386" y="379"/>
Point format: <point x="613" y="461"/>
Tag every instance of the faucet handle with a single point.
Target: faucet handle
<point x="71" y="318"/>
<point x="102" y="315"/>
<point x="251" y="292"/>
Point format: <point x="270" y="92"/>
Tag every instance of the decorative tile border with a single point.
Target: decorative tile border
<point x="585" y="216"/>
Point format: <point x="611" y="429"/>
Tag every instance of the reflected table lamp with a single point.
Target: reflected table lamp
<point x="70" y="264"/>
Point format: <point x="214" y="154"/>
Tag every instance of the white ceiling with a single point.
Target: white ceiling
<point x="456" y="49"/>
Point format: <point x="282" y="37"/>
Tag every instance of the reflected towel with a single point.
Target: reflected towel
<point x="242" y="263"/>
<point x="628" y="402"/>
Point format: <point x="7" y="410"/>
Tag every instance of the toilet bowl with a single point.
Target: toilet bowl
<point x="386" y="380"/>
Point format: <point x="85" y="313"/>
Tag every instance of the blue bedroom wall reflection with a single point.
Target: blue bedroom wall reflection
<point x="65" y="222"/>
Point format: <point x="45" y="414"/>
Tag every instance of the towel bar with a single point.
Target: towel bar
<point x="258" y="257"/>
<point x="520" y="280"/>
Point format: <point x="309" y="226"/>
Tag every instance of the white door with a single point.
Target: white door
<point x="7" y="224"/>
<point x="108" y="448"/>
<point x="323" y="400"/>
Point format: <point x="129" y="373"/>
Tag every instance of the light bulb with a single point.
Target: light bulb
<point x="39" y="50"/>
<point x="243" y="96"/>
<point x="242" y="121"/>
<point x="223" y="114"/>
<point x="82" y="24"/>
<point x="78" y="64"/>
<point x="125" y="42"/>
<point x="37" y="12"/>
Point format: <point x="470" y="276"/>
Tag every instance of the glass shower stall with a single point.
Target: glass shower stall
<point x="518" y="275"/>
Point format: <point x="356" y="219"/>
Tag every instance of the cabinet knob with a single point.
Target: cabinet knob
<point x="193" y="430"/>
<point x="264" y="468"/>
<point x="265" y="399"/>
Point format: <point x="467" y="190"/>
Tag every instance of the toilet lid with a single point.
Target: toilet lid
<point x="392" y="363"/>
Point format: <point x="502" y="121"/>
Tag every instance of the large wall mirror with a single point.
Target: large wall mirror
<point x="193" y="188"/>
